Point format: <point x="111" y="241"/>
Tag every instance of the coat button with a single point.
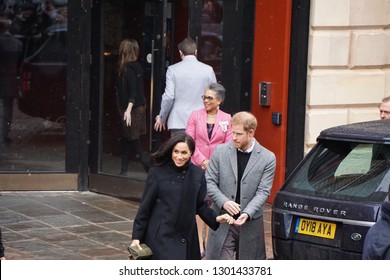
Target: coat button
<point x="183" y="240"/>
<point x="232" y="197"/>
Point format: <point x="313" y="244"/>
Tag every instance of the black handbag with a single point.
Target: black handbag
<point x="137" y="254"/>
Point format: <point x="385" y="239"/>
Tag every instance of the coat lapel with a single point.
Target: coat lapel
<point x="233" y="159"/>
<point x="203" y="122"/>
<point x="215" y="126"/>
<point x="254" y="158"/>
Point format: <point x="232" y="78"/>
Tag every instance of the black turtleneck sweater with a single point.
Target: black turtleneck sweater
<point x="242" y="161"/>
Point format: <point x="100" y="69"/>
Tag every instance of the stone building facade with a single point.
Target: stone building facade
<point x="348" y="63"/>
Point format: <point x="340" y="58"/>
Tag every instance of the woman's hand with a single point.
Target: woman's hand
<point x="225" y="218"/>
<point x="204" y="164"/>
<point x="136" y="243"/>
<point x="232" y="207"/>
<point x="127" y="117"/>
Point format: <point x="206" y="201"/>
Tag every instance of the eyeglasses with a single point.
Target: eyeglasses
<point x="209" y="98"/>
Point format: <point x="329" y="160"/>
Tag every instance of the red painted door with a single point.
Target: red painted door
<point x="271" y="64"/>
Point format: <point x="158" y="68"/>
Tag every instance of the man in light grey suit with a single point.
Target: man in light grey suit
<point x="239" y="180"/>
<point x="186" y="82"/>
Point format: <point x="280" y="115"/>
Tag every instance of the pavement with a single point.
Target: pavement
<point x="73" y="225"/>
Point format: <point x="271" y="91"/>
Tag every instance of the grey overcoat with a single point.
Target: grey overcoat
<point x="256" y="184"/>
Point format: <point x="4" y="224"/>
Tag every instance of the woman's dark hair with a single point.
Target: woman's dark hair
<point x="164" y="153"/>
<point x="128" y="51"/>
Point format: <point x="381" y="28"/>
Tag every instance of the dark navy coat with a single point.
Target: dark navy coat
<point x="377" y="241"/>
<point x="165" y="220"/>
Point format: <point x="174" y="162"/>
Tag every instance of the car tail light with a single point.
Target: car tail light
<point x="26" y="86"/>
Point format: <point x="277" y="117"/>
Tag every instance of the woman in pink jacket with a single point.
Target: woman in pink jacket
<point x="209" y="127"/>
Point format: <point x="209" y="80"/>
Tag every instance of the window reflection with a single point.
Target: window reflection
<point x="33" y="85"/>
<point x="210" y="45"/>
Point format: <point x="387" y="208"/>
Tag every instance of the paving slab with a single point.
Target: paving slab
<point x="72" y="225"/>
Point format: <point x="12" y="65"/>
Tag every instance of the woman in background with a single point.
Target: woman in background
<point x="208" y="127"/>
<point x="131" y="103"/>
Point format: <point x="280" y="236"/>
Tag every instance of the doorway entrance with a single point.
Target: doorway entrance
<point x="150" y="23"/>
<point x="68" y="127"/>
<point x="158" y="26"/>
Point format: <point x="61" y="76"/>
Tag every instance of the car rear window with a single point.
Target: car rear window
<point x="344" y="170"/>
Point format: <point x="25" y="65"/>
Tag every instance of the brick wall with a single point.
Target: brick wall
<point x="348" y="63"/>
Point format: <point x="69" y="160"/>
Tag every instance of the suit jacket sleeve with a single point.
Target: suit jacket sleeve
<point x="169" y="95"/>
<point x="212" y="178"/>
<point x="147" y="202"/>
<point x="213" y="77"/>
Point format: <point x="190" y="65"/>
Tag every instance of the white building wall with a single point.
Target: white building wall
<point x="348" y="63"/>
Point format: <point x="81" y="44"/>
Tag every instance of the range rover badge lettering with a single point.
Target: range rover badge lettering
<point x="356" y="236"/>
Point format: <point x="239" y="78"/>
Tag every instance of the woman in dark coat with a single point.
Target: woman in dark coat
<point x="174" y="193"/>
<point x="131" y="103"/>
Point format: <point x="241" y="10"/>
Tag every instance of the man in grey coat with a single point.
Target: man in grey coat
<point x="239" y="180"/>
<point x="186" y="82"/>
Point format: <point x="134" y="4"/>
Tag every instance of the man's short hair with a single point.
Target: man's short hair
<point x="187" y="46"/>
<point x="248" y="120"/>
<point x="386" y="99"/>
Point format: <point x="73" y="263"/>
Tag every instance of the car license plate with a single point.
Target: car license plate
<point x="315" y="228"/>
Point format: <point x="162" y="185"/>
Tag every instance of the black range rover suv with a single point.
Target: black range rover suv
<point x="325" y="208"/>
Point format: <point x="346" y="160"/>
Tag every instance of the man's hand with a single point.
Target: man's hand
<point x="159" y="125"/>
<point x="231" y="207"/>
<point x="241" y="220"/>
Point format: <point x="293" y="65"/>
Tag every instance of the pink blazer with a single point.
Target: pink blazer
<point x="197" y="128"/>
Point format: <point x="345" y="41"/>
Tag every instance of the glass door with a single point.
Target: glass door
<point x="116" y="166"/>
<point x="33" y="73"/>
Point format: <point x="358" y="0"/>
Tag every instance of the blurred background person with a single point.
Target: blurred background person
<point x="131" y="103"/>
<point x="208" y="127"/>
<point x="377" y="242"/>
<point x="11" y="50"/>
<point x="8" y="9"/>
<point x="384" y="108"/>
<point x="30" y="21"/>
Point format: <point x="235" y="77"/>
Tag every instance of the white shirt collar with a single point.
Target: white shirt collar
<point x="250" y="148"/>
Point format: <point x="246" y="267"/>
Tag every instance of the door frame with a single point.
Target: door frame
<point x="110" y="184"/>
